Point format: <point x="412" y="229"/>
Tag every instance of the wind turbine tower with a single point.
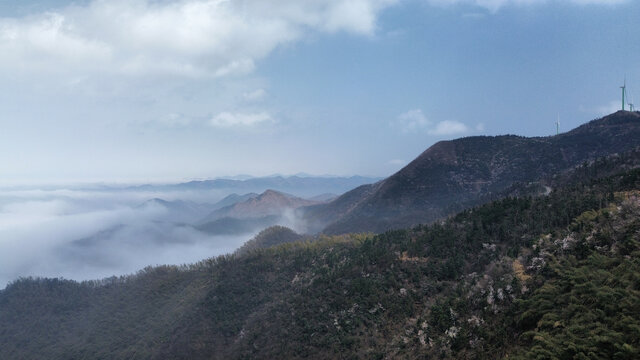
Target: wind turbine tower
<point x="624" y="89"/>
<point x="558" y="125"/>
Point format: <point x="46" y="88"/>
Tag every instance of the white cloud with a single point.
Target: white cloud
<point x="34" y="44"/>
<point x="240" y="67"/>
<point x="228" y="120"/>
<point x="449" y="127"/>
<point x="414" y="121"/>
<point x="189" y="37"/>
<point x="358" y="16"/>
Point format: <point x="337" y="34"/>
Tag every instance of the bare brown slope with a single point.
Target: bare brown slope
<point x="269" y="203"/>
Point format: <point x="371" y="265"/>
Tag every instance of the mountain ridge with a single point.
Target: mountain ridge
<point x="253" y="214"/>
<point x="513" y="279"/>
<point x="268" y="203"/>
<point x="297" y="185"/>
<point x="454" y="174"/>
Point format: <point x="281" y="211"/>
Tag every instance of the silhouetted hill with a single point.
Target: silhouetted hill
<point x="453" y="175"/>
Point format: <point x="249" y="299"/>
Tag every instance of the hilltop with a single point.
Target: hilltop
<point x="270" y="237"/>
<point x="270" y="202"/>
<point x="453" y="175"/>
<point x="253" y="213"/>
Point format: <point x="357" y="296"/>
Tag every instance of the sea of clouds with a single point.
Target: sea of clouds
<point x="91" y="234"/>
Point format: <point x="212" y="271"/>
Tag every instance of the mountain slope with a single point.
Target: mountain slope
<point x="269" y="203"/>
<point x="235" y="226"/>
<point x="269" y="237"/>
<point x="452" y="175"/>
<point x="253" y="214"/>
<point x="548" y="277"/>
<point x="233" y="199"/>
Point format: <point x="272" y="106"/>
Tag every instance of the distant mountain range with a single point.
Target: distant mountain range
<point x="452" y="175"/>
<point x="297" y="185"/>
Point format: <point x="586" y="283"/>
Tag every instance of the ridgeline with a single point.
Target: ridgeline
<point x="555" y="275"/>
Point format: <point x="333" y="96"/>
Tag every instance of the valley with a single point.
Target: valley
<point x="515" y="273"/>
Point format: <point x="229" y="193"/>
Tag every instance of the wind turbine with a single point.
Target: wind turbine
<point x="558" y="125"/>
<point x="624" y="89"/>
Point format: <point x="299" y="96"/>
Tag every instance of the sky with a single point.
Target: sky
<point x="164" y="91"/>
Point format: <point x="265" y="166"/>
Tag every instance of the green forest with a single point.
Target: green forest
<point x="552" y="276"/>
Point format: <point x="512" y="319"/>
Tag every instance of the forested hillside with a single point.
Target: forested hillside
<point x="555" y="276"/>
<point x="453" y="175"/>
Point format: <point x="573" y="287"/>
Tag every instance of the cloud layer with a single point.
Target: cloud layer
<point x="88" y="235"/>
<point x="229" y="120"/>
<point x="212" y="38"/>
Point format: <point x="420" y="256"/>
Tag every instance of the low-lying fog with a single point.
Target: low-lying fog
<point x="91" y="234"/>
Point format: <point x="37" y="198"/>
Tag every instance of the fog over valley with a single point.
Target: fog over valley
<point x="94" y="235"/>
<point x="92" y="232"/>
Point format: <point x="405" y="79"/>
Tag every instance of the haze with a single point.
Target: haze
<point x="84" y="235"/>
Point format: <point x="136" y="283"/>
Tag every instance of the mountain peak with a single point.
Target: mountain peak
<point x="619" y="120"/>
<point x="273" y="193"/>
<point x="269" y="203"/>
<point x="452" y="175"/>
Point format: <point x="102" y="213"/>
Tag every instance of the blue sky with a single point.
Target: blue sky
<point x="163" y="90"/>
